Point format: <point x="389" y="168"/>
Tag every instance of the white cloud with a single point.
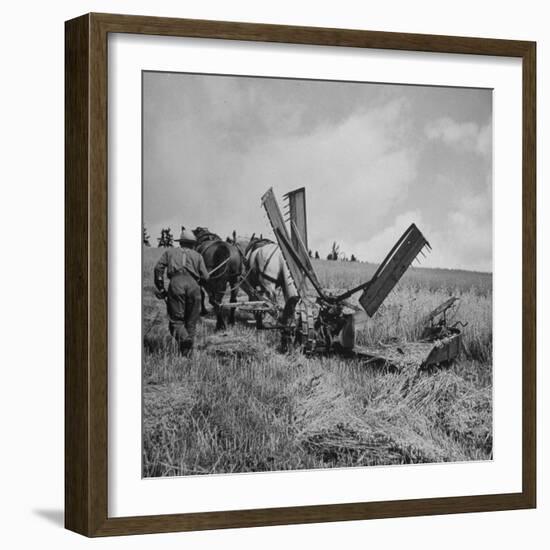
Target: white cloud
<point x="465" y="242"/>
<point x="375" y="249"/>
<point x="355" y="172"/>
<point x="465" y="136"/>
<point x="484" y="142"/>
<point x="211" y="151"/>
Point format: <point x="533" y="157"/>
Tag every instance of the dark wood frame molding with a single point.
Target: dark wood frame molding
<point x="86" y="288"/>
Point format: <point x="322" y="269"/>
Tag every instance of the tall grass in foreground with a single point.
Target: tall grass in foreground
<point x="239" y="406"/>
<point x="252" y="409"/>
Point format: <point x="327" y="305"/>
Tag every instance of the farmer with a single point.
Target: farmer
<point x="186" y="270"/>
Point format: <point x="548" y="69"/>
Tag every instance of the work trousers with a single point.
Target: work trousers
<point x="184" y="307"/>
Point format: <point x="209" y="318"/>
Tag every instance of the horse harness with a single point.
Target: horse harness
<point x="205" y="242"/>
<point x="263" y="273"/>
<point x="209" y="239"/>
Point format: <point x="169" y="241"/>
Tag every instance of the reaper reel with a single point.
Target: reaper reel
<point x="320" y="324"/>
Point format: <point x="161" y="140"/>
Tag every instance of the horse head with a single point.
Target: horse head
<point x="204" y="234"/>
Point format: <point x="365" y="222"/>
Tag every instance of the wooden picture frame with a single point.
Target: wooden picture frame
<point x="86" y="222"/>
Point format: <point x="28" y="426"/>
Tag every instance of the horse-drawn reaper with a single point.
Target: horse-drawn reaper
<point x="311" y="318"/>
<point x="320" y="322"/>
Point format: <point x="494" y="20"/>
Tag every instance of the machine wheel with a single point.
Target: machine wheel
<point x="304" y="336"/>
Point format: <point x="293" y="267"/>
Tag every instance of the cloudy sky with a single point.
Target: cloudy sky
<point x="373" y="159"/>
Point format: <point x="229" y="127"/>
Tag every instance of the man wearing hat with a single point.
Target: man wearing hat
<point x="185" y="268"/>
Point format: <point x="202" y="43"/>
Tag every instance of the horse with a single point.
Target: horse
<point x="225" y="264"/>
<point x="266" y="271"/>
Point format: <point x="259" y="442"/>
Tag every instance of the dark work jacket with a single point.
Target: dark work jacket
<point x="176" y="260"/>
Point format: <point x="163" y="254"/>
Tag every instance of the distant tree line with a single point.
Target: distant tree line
<point x="336" y="254"/>
<point x="166" y="240"/>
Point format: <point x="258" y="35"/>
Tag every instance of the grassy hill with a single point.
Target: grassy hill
<point x="238" y="405"/>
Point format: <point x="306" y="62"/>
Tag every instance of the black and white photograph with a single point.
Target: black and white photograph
<point x="292" y="285"/>
<point x="317" y="274"/>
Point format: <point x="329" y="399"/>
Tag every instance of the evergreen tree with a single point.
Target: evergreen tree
<point x="166" y="240"/>
<point x="334" y="253"/>
<point x="146" y="237"/>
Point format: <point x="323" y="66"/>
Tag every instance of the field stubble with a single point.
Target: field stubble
<point x="239" y="406"/>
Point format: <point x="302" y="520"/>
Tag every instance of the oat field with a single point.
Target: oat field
<point x="238" y="405"/>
